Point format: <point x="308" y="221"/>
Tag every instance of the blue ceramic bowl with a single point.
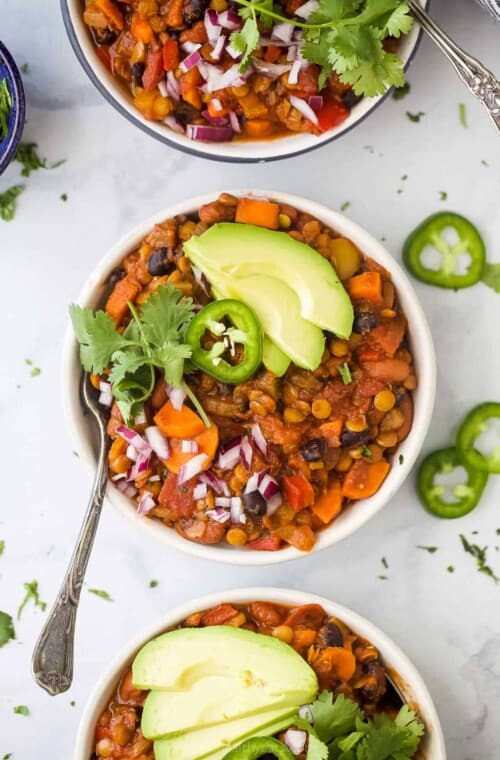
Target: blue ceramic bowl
<point x="8" y="145"/>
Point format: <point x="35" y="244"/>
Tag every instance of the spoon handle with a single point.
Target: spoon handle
<point x="53" y="655"/>
<point x="477" y="77"/>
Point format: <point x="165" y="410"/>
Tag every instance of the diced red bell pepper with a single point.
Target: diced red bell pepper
<point x="332" y="114"/>
<point x="298" y="491"/>
<point x="170" y="54"/>
<point x="265" y="543"/>
<point x="104" y="56"/>
<point x="153" y="72"/>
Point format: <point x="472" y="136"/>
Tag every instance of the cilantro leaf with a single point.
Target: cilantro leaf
<point x="399" y="21"/>
<point x="401" y="92"/>
<point x="373" y="78"/>
<point x="101" y="594"/>
<point x="6" y="628"/>
<point x="21" y="710"/>
<point x="345" y="373"/>
<point x="166" y="315"/>
<point x="334" y="718"/>
<point x="27" y="155"/>
<point x="491" y="276"/>
<point x="245" y="41"/>
<point x="2" y="547"/>
<point x="98" y="338"/>
<point x="8" y="202"/>
<point x="32" y="593"/>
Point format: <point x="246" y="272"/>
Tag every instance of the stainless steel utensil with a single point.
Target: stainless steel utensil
<point x="53" y="655"/>
<point x="479" y="80"/>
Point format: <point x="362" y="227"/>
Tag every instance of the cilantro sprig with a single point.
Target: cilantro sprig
<point x="155" y="337"/>
<point x="341" y="36"/>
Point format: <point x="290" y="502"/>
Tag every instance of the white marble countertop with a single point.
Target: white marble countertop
<point x="114" y="177"/>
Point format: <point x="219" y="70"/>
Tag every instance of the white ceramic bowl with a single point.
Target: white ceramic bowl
<point x="354" y="516"/>
<point x="238" y="152"/>
<point x="402" y="671"/>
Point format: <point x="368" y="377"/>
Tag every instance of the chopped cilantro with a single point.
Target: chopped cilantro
<point x="32" y="593"/>
<point x="384" y="562"/>
<point x="498" y="531"/>
<point x="383" y="577"/>
<point x="450" y="569"/>
<point x="345" y="205"/>
<point x="443" y="195"/>
<point x="401" y="459"/>
<point x="366" y="452"/>
<point x="401" y="92"/>
<point x="2" y="547"/>
<point x="415" y="117"/>
<point x="64" y="197"/>
<point x="27" y="155"/>
<point x="153" y="584"/>
<point x="25" y="69"/>
<point x="462" y="113"/>
<point x="8" y="202"/>
<point x="7" y="632"/>
<point x="72" y="703"/>
<point x="479" y="553"/>
<point x="101" y="594"/>
<point x="491" y="276"/>
<point x="35" y="372"/>
<point x="5" y="106"/>
<point x="430" y="549"/>
<point x="7" y="756"/>
<point x="345" y="373"/>
<point x="21" y="710"/>
<point x="484" y="163"/>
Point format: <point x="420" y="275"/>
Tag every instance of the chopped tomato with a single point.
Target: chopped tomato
<point x="153" y="72"/>
<point x="265" y="543"/>
<point x="170" y="54"/>
<point x="332" y="114"/>
<point x="177" y="498"/>
<point x="104" y="56"/>
<point x="299" y="492"/>
<point x="272" y="53"/>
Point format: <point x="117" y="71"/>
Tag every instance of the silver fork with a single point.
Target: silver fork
<point x="53" y="654"/>
<point x="479" y="80"/>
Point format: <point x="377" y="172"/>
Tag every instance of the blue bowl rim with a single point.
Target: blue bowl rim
<point x="18" y="105"/>
<point x="193" y="151"/>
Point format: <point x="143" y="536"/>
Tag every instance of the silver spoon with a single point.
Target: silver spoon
<point x="479" y="80"/>
<point x="53" y="655"/>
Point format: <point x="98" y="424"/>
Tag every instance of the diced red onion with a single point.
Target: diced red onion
<point x="223" y="501"/>
<point x="163" y="88"/>
<point x="154" y="479"/>
<point x="172" y="86"/>
<point x="216" y="121"/>
<point x="282" y="32"/>
<point x="246" y="453"/>
<point x="174" y="124"/>
<point x="292" y="53"/>
<point x="210" y="73"/>
<point x="230" y="78"/>
<point x="316" y="103"/>
<point x="234" y="121"/>
<point x="266" y="41"/>
<point x="146" y="503"/>
<point x="200" y="278"/>
<point x="176" y="396"/>
<point x="219" y="515"/>
<point x="229" y="20"/>
<point x="134" y="438"/>
<point x="127" y="489"/>
<point x="191" y="468"/>
<point x="293" y="76"/>
<point x="304" y="108"/>
<point x="306" y="713"/>
<point x="190" y="47"/>
<point x="216" y="104"/>
<point x="131" y="453"/>
<point x="212" y="25"/>
<point x="104" y="387"/>
<point x="119" y="476"/>
<point x="200" y="491"/>
<point x="105" y="398"/>
<point x="295" y="740"/>
<point x="211" y="480"/>
<point x="238" y="516"/>
<point x="305" y="10"/>
<point x="139" y="467"/>
<point x="189" y="447"/>
<point x="273" y="503"/>
<point x="252" y="483"/>
<point x="218" y="48"/>
<point x="258" y="438"/>
<point x="225" y="489"/>
<point x="235" y="54"/>
<point x="229" y="454"/>
<point x="268" y="486"/>
<point x="271" y="70"/>
<point x="157" y="441"/>
<point x="190" y="61"/>
<point x="209" y="133"/>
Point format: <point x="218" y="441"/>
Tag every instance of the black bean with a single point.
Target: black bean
<point x="314" y="449"/>
<point x="364" y="321"/>
<point x="159" y="263"/>
<point x="186" y="113"/>
<point x="330" y="635"/>
<point x="254" y="503"/>
<point x="350" y="438"/>
<point x="115" y="276"/>
<point x="193" y="11"/>
<point x="103" y="36"/>
<point x="349" y="99"/>
<point x="370" y="692"/>
<point x="137" y="72"/>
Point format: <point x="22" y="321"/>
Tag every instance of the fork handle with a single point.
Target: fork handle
<point x="480" y="81"/>
<point x="53" y="654"/>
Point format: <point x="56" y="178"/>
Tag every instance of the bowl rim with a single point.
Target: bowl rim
<point x="352" y="518"/>
<point x="402" y="669"/>
<point x="18" y="107"/>
<point x="211" y="151"/>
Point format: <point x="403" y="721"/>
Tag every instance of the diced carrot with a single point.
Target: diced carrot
<point x="219" y="615"/>
<point x="389" y="334"/>
<point x="329" y="504"/>
<point x="265" y="543"/>
<point x="175" y="16"/>
<point x="303" y="637"/>
<point x="140" y="29"/>
<point x="215" y="112"/>
<point x="190" y="79"/>
<point x="171" y="54"/>
<point x="111" y="10"/>
<point x="272" y="53"/>
<point x="366" y="287"/>
<point x="299" y="536"/>
<point x="331" y="432"/>
<point x="179" y="423"/>
<point x="258" y="212"/>
<point x="308" y="616"/>
<point x="392" y="370"/>
<point x="258" y="128"/>
<point x="364" y="479"/>
<point x="253" y="107"/>
<point x="207" y="441"/>
<point x="125" y="290"/>
<point x="298" y="491"/>
<point x="193" y="97"/>
<point x="196" y="33"/>
<point x="336" y="662"/>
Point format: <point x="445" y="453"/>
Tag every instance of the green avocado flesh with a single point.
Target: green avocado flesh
<point x="203" y="677"/>
<point x="243" y="250"/>
<point x="223" y="737"/>
<point x="273" y="359"/>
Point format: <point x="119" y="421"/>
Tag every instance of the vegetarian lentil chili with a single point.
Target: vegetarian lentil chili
<point x="181" y="67"/>
<point x="283" y="455"/>
<point x="345" y="664"/>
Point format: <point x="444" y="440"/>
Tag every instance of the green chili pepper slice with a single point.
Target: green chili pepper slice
<point x="229" y="323"/>
<point x="466" y="495"/>
<point x="430" y="233"/>
<point x="475" y="423"/>
<point x="253" y="749"/>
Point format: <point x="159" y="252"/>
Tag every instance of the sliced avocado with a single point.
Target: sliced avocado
<point x="210" y="675"/>
<point x="205" y="741"/>
<point x="243" y="250"/>
<point x="273" y="359"/>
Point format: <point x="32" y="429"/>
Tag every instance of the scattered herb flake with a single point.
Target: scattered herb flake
<point x="479" y="553"/>
<point x="484" y="163"/>
<point x="383" y="577"/>
<point x="450" y="569"/>
<point x="462" y="113"/>
<point x="498" y="531"/>
<point x="64" y="197"/>
<point x="7" y="632"/>
<point x="35" y="372"/>
<point x="443" y="195"/>
<point x="345" y="373"/>
<point x="401" y="92"/>
<point x="153" y="584"/>
<point x="345" y="205"/>
<point x="21" y="710"/>
<point x="5" y="106"/>
<point x="32" y="593"/>
<point x="384" y="562"/>
<point x="27" y="155"/>
<point x="415" y="117"/>
<point x="7" y="756"/>
<point x="430" y="549"/>
<point x="28" y="362"/>
<point x="366" y="452"/>
<point x="101" y="594"/>
<point x="25" y="69"/>
<point x="8" y="202"/>
<point x="72" y="703"/>
<point x="2" y="547"/>
<point x="491" y="276"/>
<point x="401" y="459"/>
